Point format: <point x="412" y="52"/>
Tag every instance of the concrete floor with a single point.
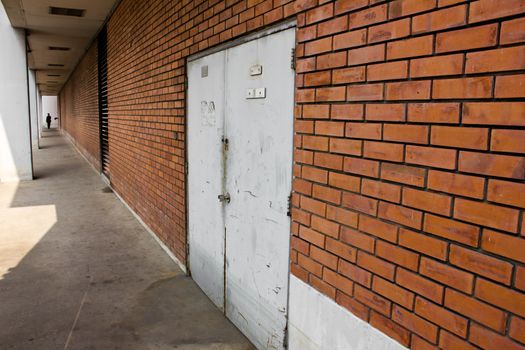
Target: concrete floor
<point x="78" y="271"/>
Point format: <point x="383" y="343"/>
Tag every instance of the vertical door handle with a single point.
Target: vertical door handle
<point x="224" y="197"/>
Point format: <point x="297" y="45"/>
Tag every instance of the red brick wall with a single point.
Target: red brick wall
<point x="409" y="193"/>
<point x="78" y="102"/>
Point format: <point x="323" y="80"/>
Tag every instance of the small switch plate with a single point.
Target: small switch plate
<point x="256" y="70"/>
<point x="250" y="93"/>
<point x="204" y="71"/>
<point x="260" y="93"/>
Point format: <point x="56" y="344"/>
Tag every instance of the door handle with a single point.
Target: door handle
<point x="224" y="197"/>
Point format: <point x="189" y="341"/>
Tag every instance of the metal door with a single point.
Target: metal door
<point x="251" y="157"/>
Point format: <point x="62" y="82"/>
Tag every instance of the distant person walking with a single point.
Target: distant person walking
<point x="48" y="120"/>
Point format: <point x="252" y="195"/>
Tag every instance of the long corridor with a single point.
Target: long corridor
<point x="78" y="271"/>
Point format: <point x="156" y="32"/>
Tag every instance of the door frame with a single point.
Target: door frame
<point x="287" y="24"/>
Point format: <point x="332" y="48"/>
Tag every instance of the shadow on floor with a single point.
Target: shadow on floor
<point x="77" y="271"/>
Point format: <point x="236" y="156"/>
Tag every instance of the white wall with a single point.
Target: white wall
<point x="15" y="137"/>
<point x="33" y="108"/>
<point x="49" y="105"/>
<point x="316" y="322"/>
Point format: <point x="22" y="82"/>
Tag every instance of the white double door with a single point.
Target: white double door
<point x="239" y="180"/>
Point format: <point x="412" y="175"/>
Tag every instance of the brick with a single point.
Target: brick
<point x="445" y="319"/>
<point x="346" y="182"/>
<point x="375" y="265"/>
<point x="313" y="206"/>
<point x="342" y="216"/>
<point x="512" y="31"/>
<point x="415" y="323"/>
<point x="317" y="79"/>
<point x="394" y="112"/>
<point x="342" y="6"/>
<point x="505" y="192"/>
<point x="338" y="281"/>
<point x="412" y="47"/>
<point x="420" y="285"/>
<point x="302" y="186"/>
<point x="349" y="75"/>
<point x="315" y="143"/>
<point x="487" y="215"/>
<point x="319" y="13"/>
<point x="408" y="90"/>
<point x="310" y="265"/>
<point x="419" y="344"/>
<point x="489" y="9"/>
<point x="299" y="272"/>
<point x="305" y="65"/>
<point x="463" y="185"/>
<point x="451" y="342"/>
<point x="368" y="16"/>
<point x="431" y="156"/>
<point x="388" y="31"/>
<point x="397" y="255"/>
<point x="336" y="25"/>
<point x="390" y="328"/>
<point x="378" y="228"/>
<point x="383" y="150"/>
<point x="393" y="292"/>
<point x="312" y="236"/>
<point x="496" y="113"/>
<point x="324" y="226"/>
<point x="353" y="306"/>
<point x="510" y="86"/>
<point x="365" y="92"/>
<point x="350" y="39"/>
<point x="301" y="216"/>
<point x="341" y="250"/>
<point x="347" y="112"/>
<point x="500" y="296"/>
<point x="427" y="201"/>
<point x="403" y="174"/>
<point x="357" y="239"/>
<point x="387" y="71"/>
<point x="466" y="39"/>
<point x="492" y="164"/>
<point x="381" y="190"/>
<point x="436" y="66"/>
<point x="487" y="339"/>
<point x="423" y="244"/>
<point x="462" y="88"/>
<point x="433" y="112"/>
<point x="301" y="246"/>
<point x="323" y="257"/>
<point x="306" y="33"/>
<point x="439" y="20"/>
<point x="331" y="60"/>
<point x="476" y="310"/>
<point x="367" y="54"/>
<point x="359" y="203"/>
<point x="503" y="245"/>
<point x="399" y="8"/>
<point x="401" y="215"/>
<point x="445" y="274"/>
<point x="304" y="126"/>
<point x="322" y="286"/>
<point x="314" y="174"/>
<point x="317" y="111"/>
<point x="329" y="128"/>
<point x="369" y="131"/>
<point x="460" y="137"/>
<point x="330" y="94"/>
<point x="361" y="166"/>
<point x="481" y="264"/>
<point x="305" y="95"/>
<point x="327" y="160"/>
<point x="505" y="59"/>
<point x="517" y="329"/>
<point x="352" y="147"/>
<point x="355" y="273"/>
<point x="372" y="300"/>
<point x="451" y="229"/>
<point x="520" y="278"/>
<point x="405" y="133"/>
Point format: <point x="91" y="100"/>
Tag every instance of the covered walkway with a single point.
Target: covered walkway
<point x="78" y="271"/>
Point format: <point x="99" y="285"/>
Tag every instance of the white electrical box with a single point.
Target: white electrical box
<point x="256" y="70"/>
<point x="250" y="93"/>
<point x="260" y="93"/>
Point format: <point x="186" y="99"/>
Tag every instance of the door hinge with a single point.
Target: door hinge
<point x="292" y="62"/>
<point x="289" y="212"/>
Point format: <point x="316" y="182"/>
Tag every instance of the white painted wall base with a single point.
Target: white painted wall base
<point x="317" y="322"/>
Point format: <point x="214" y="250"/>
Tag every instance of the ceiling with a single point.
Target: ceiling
<point x="56" y="42"/>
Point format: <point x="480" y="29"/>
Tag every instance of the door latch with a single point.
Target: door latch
<point x="224" y="197"/>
